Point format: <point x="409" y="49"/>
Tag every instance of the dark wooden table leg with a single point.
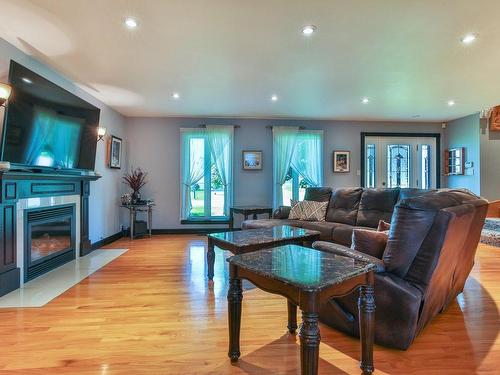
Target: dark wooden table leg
<point x="292" y="317"/>
<point x="234" y="297"/>
<point x="366" y="307"/>
<point x="309" y="343"/>
<point x="254" y="216"/>
<point x="270" y="213"/>
<point x="210" y="259"/>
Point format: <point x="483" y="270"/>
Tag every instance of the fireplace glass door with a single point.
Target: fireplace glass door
<point x="50" y="239"/>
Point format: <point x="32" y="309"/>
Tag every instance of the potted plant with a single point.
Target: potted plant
<point x="136" y="179"/>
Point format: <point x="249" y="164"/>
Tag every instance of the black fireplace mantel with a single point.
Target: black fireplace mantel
<point x="15" y="185"/>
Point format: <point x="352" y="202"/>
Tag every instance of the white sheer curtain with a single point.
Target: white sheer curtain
<point x="220" y="141"/>
<point x="284" y="140"/>
<point x="192" y="167"/>
<point x="307" y="159"/>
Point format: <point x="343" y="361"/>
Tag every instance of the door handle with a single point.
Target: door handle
<point x="383" y="183"/>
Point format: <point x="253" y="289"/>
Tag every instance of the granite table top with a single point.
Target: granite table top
<point x="304" y="268"/>
<point x="250" y="237"/>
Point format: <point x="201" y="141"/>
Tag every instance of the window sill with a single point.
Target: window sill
<point x="205" y="221"/>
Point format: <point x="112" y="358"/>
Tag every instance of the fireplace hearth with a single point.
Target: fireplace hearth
<point x="50" y="239"/>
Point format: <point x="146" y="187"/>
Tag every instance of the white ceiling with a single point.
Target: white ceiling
<point x="227" y="57"/>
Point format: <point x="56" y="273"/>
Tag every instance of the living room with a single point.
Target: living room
<point x="342" y="155"/>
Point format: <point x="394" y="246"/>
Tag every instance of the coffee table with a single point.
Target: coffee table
<point x="245" y="241"/>
<point x="307" y="278"/>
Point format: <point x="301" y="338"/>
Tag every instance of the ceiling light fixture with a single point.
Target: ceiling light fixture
<point x="130" y="23"/>
<point x="274" y="98"/>
<point x="176" y="95"/>
<point x="308" y="30"/>
<point x="27" y="80"/>
<point x="451" y="103"/>
<point x="468" y="39"/>
<point x="365" y="101"/>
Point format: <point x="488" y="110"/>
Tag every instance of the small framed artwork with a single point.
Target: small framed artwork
<point x="115" y="152"/>
<point x="252" y="160"/>
<point x="495" y="119"/>
<point x="341" y="161"/>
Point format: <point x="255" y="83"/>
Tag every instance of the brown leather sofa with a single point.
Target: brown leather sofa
<point x="348" y="208"/>
<point x="429" y="255"/>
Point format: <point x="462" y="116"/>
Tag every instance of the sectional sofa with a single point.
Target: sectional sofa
<point x="429" y="253"/>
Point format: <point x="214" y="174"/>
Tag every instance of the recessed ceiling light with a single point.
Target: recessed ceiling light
<point x="451" y="103"/>
<point x="27" y="80"/>
<point x="415" y="116"/>
<point x="176" y="95"/>
<point x="308" y="30"/>
<point x="365" y="100"/>
<point x="274" y="98"/>
<point x="468" y="39"/>
<point x="130" y="23"/>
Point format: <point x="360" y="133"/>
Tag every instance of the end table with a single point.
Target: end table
<point x="146" y="206"/>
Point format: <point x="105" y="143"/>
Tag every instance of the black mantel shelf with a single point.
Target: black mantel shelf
<point x="17" y="185"/>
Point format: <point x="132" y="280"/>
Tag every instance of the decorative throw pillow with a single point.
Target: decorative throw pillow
<point x="383" y="226"/>
<point x="313" y="211"/>
<point x="295" y="211"/>
<point x="369" y="242"/>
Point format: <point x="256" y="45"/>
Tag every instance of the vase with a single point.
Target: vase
<point x="136" y="197"/>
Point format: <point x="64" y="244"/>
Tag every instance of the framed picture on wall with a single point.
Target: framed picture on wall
<point x="252" y="160"/>
<point x="115" y="152"/>
<point x="341" y="161"/>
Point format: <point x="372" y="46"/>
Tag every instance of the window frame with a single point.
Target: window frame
<point x="207" y="183"/>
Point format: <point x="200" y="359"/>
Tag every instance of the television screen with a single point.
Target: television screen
<point x="47" y="126"/>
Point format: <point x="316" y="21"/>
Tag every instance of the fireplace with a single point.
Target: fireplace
<point x="50" y="239"/>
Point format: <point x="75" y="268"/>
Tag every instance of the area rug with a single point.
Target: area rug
<point x="491" y="232"/>
<point x="43" y="289"/>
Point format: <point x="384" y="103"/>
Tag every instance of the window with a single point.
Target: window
<point x="370" y="166"/>
<point x="426" y="166"/>
<point x="398" y="166"/>
<point x="206" y="172"/>
<point x="294" y="187"/>
<point x="298" y="162"/>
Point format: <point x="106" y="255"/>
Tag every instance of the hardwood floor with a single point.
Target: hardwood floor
<point x="150" y="312"/>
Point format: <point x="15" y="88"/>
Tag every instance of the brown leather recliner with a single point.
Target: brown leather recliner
<point x="429" y="255"/>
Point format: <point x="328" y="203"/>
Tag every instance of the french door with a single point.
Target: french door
<point x="406" y="162"/>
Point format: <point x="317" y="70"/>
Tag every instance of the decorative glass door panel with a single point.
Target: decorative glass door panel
<point x="398" y="166"/>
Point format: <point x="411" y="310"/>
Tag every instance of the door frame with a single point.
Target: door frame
<point x="437" y="136"/>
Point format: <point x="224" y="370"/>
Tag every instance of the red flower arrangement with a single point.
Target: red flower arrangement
<point x="136" y="179"/>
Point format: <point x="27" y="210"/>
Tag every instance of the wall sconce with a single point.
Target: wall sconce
<point x="5" y="91"/>
<point x="101" y="132"/>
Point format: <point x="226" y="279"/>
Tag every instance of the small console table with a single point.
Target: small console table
<point x="247" y="211"/>
<point x="146" y="206"/>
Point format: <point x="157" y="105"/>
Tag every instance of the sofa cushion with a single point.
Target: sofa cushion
<point x="375" y="205"/>
<point x="369" y="242"/>
<point x="269" y="223"/>
<point x="383" y="226"/>
<point x="412" y="192"/>
<point x="344" y="204"/>
<point x="342" y="234"/>
<point x="295" y="210"/>
<point x="318" y="194"/>
<point x="324" y="227"/>
<point x="313" y="211"/>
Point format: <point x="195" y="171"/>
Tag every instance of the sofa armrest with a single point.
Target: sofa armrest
<point x="348" y="252"/>
<point x="282" y="212"/>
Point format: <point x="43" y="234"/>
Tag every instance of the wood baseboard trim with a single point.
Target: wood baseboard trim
<point x="106" y="241"/>
<point x="189" y="231"/>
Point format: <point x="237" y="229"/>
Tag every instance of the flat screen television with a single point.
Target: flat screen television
<point x="47" y="127"/>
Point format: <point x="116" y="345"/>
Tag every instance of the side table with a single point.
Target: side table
<point x="246" y="211"/>
<point x="146" y="206"/>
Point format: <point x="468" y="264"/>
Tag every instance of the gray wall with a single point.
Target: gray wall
<point x="153" y="145"/>
<point x="490" y="162"/>
<point x="105" y="193"/>
<point x="465" y="132"/>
